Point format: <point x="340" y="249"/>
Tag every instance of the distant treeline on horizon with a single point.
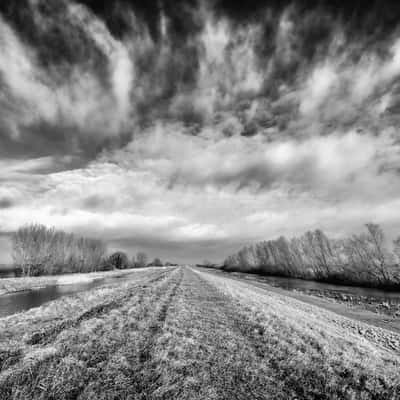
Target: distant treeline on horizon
<point x="361" y="259"/>
<point x="39" y="250"/>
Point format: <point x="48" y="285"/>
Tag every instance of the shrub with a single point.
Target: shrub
<point x="119" y="260"/>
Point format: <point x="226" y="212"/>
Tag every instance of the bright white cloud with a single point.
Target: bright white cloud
<point x="78" y="99"/>
<point x="169" y="186"/>
<point x="318" y="88"/>
<point x="121" y="66"/>
<point x="186" y="174"/>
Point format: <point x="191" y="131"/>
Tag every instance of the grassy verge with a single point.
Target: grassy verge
<point x="389" y="307"/>
<point x="377" y="304"/>
<point x="356" y="348"/>
<point x="12" y="285"/>
<point x="178" y="334"/>
<point x="223" y="340"/>
<point x="59" y="349"/>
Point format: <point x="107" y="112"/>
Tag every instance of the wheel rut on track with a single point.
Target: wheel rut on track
<point x="144" y="373"/>
<point x="48" y="336"/>
<point x="203" y="324"/>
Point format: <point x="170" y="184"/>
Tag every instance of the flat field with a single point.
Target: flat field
<point x="187" y="334"/>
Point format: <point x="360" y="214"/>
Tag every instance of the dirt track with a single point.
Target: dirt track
<point x="185" y="334"/>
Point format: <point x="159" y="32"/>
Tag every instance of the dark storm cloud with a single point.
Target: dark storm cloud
<point x="6" y="203"/>
<point x="55" y="38"/>
<point x="144" y="119"/>
<point x="165" y="57"/>
<point x="62" y="81"/>
<point x="358" y="14"/>
<point x="181" y="14"/>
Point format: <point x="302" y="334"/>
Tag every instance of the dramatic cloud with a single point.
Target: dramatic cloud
<point x="190" y="128"/>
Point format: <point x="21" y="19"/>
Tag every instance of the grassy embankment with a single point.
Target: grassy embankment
<point x="187" y="335"/>
<point x="12" y="285"/>
<point x="373" y="302"/>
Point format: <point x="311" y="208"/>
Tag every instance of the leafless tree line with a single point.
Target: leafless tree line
<point x="363" y="258"/>
<point x="120" y="260"/>
<point x="38" y="250"/>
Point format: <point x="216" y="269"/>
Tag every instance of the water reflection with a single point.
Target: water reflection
<point x="21" y="301"/>
<point x="292" y="283"/>
<point x="8" y="274"/>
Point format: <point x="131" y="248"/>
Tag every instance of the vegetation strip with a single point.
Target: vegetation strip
<point x="21" y="284"/>
<point x="56" y="324"/>
<point x="46" y="337"/>
<point x="70" y="342"/>
<point x="145" y="373"/>
<point x="387" y="337"/>
<point x="364" y="259"/>
<point x="193" y="335"/>
<point x="328" y="355"/>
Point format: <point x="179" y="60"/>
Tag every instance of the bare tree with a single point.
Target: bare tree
<point x="41" y="250"/>
<point x="157" y="262"/>
<point x="208" y="263"/>
<point x="367" y="255"/>
<point x="363" y="258"/>
<point x="379" y="254"/>
<point x="141" y="259"/>
<point x="232" y="262"/>
<point x="248" y="258"/>
<point x="396" y="251"/>
<point x="119" y="260"/>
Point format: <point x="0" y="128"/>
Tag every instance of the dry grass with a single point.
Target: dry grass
<point x="12" y="285"/>
<point x="315" y="353"/>
<point x="185" y="335"/>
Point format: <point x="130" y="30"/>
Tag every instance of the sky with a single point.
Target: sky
<point x="188" y="129"/>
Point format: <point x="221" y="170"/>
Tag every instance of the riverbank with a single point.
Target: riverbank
<point x="386" y="306"/>
<point x="376" y="311"/>
<point x="330" y="280"/>
<point x="181" y="334"/>
<point x="378" y="301"/>
<point x="13" y="285"/>
<point x="390" y="308"/>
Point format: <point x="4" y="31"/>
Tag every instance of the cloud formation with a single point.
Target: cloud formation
<point x="198" y="125"/>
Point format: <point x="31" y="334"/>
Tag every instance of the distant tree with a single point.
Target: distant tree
<point x="396" y="248"/>
<point x="232" y="262"/>
<point x="157" y="262"/>
<point x="396" y="252"/>
<point x="119" y="260"/>
<point x="39" y="250"/>
<point x="368" y="256"/>
<point x="361" y="258"/>
<point x="105" y="265"/>
<point x="141" y="259"/>
<point x="208" y="263"/>
<point x="170" y="264"/>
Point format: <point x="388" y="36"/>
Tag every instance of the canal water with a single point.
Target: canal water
<point x="7" y="273"/>
<point x="21" y="301"/>
<point x="304" y="285"/>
